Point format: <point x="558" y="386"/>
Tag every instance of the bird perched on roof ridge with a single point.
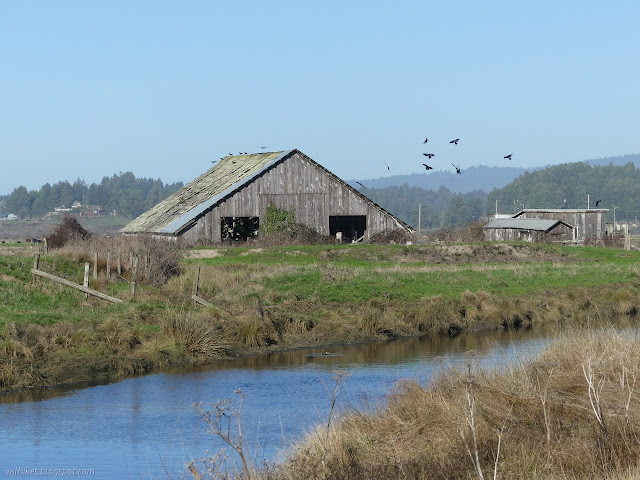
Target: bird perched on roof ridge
<point x="456" y="140"/>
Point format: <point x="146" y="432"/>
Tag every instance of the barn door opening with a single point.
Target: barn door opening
<point x="347" y="227"/>
<point x="239" y="228"/>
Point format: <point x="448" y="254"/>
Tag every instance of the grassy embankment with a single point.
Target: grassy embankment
<point x="572" y="413"/>
<point x="319" y="295"/>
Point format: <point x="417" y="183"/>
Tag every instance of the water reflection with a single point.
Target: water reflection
<point x="146" y="427"/>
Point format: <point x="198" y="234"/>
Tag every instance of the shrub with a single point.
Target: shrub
<point x="70" y="230"/>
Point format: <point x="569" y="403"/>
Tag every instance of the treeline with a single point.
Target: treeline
<point x="567" y="186"/>
<point x="123" y="193"/>
<point x="440" y="208"/>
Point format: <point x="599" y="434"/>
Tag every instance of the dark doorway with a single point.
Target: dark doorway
<point x="239" y="228"/>
<point x="351" y="227"/>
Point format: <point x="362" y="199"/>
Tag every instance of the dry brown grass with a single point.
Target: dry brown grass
<point x="159" y="260"/>
<point x="540" y="415"/>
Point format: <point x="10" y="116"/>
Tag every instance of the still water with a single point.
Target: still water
<point x="148" y="427"/>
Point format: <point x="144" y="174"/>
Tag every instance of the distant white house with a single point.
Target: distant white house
<point x="62" y="209"/>
<point x="8" y="216"/>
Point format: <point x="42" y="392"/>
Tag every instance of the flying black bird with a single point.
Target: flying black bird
<point x="457" y="169"/>
<point x="360" y="184"/>
<point x="427" y="166"/>
<point x="387" y="167"/>
<point x="508" y="157"/>
<point x="429" y="155"/>
<point x="425" y="140"/>
<point x="262" y="147"/>
<point x="455" y="141"/>
<point x="597" y="202"/>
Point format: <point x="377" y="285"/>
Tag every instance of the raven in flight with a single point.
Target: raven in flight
<point x="425" y="140"/>
<point x="455" y="141"/>
<point x="457" y="169"/>
<point x="429" y="155"/>
<point x="360" y="184"/>
<point x="508" y="157"/>
<point x="427" y="166"/>
<point x="597" y="202"/>
<point x="387" y="167"/>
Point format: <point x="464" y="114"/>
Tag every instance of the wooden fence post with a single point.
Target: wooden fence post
<point x="134" y="276"/>
<point x="119" y="264"/>
<point x="85" y="282"/>
<point x="196" y="281"/>
<point x="95" y="265"/>
<point x="36" y="265"/>
<point x="108" y="263"/>
<point x="45" y="246"/>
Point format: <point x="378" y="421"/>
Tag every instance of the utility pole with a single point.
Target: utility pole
<point x="587" y="201"/>
<point x="614" y="218"/>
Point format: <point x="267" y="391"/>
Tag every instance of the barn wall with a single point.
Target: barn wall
<point x="295" y="184"/>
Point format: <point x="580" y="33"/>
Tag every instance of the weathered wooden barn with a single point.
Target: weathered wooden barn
<point x="231" y="198"/>
<point x="537" y="230"/>
<point x="590" y="224"/>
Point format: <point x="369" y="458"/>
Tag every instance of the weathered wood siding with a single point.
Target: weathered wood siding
<point x="590" y="224"/>
<point x="297" y="184"/>
<point x="561" y="233"/>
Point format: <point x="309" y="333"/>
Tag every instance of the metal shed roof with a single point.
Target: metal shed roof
<point x="539" y="224"/>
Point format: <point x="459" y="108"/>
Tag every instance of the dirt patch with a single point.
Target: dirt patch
<point x="7" y="278"/>
<point x="204" y="253"/>
<point x="478" y="253"/>
<point x="252" y="251"/>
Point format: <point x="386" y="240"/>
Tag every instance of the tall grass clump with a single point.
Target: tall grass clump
<point x="158" y="260"/>
<point x="573" y="412"/>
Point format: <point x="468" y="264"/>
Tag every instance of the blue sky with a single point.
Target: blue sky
<point x="159" y="88"/>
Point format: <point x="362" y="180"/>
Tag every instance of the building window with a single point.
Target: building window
<point x="239" y="228"/>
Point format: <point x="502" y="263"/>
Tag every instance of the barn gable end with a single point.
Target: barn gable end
<point x="287" y="180"/>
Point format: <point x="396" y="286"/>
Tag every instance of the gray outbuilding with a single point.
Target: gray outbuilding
<point x="590" y="224"/>
<point x="230" y="200"/>
<point x="537" y="230"/>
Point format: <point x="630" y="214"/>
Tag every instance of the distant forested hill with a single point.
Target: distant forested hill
<point x="440" y="208"/>
<point x="472" y="179"/>
<point x="567" y="186"/>
<point x="123" y="193"/>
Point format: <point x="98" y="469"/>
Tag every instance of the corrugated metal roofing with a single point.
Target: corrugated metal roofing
<point x="175" y="211"/>
<point x="539" y="224"/>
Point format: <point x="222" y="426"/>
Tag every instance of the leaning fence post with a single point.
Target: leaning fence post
<point x="85" y="282"/>
<point x="134" y="276"/>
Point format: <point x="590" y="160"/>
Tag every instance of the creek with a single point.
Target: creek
<point x="148" y="426"/>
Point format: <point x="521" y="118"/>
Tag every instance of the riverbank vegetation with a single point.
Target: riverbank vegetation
<point x="275" y="298"/>
<point x="573" y="412"/>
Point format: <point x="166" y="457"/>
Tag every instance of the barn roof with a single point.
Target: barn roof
<point x="230" y="174"/>
<point x="538" y="224"/>
<point x="561" y="210"/>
